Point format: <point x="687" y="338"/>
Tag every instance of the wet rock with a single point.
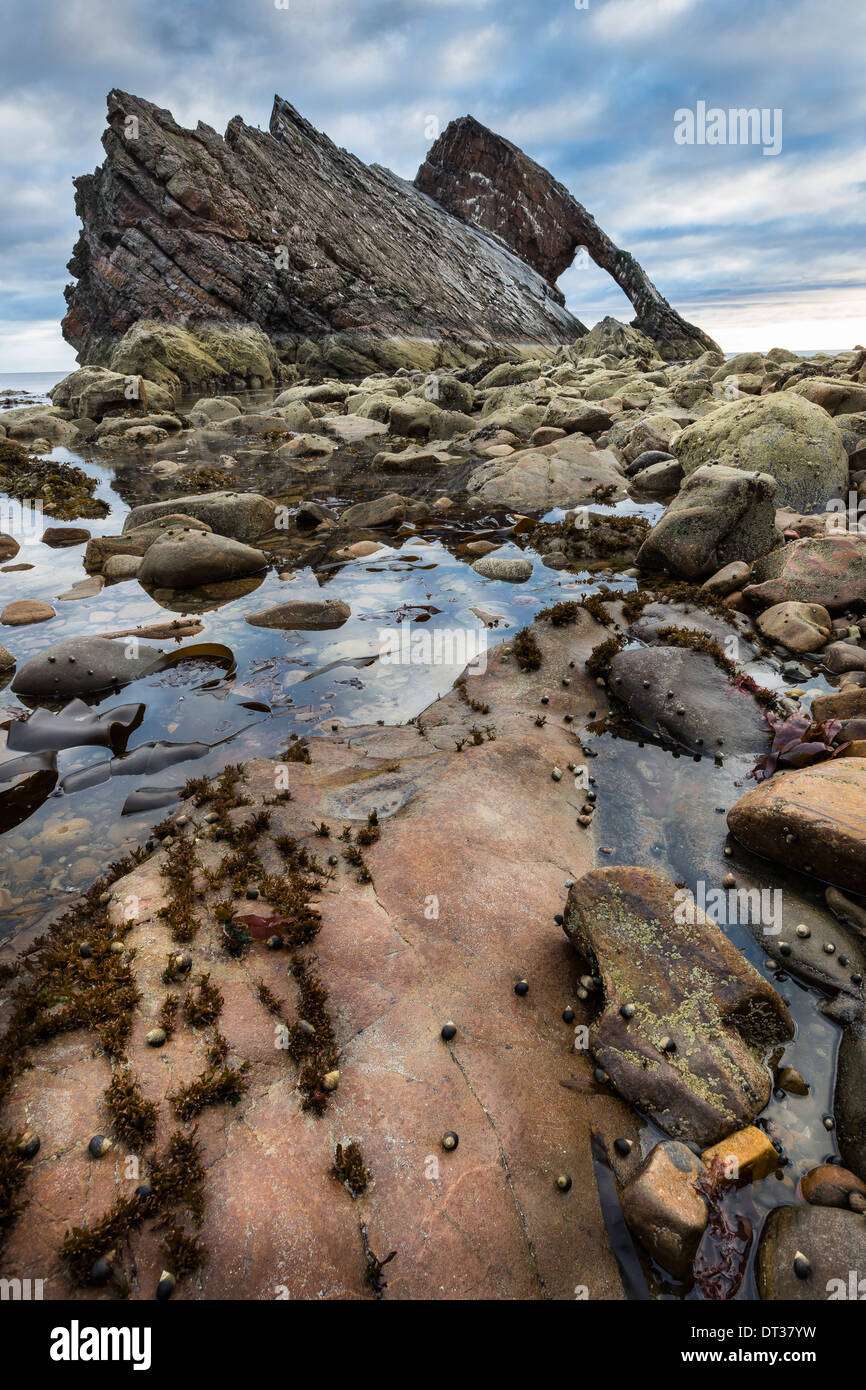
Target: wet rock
<point x="242" y="516"/>
<point x="120" y="567"/>
<point x="728" y="579"/>
<point x="743" y="1157"/>
<point x="137" y="540"/>
<point x="812" y="819"/>
<point x="351" y="429"/>
<point x="829" y="1185"/>
<point x="307" y="446"/>
<point x="659" y="479"/>
<point x="849" y="1101"/>
<point x="83" y="588"/>
<point x="390" y="510"/>
<point x="663" y="1209"/>
<point x="719" y="515"/>
<point x="7" y="660"/>
<point x="849" y="705"/>
<point x="34" y="423"/>
<point x="646" y="460"/>
<point x="60" y="536"/>
<point x="311" y="514"/>
<point x="833" y="1243"/>
<point x="688" y="699"/>
<point x="844" y="656"/>
<point x="93" y="391"/>
<point x="801" y="627"/>
<point x="81" y="666"/>
<point x="23" y="611"/>
<point x="9" y="547"/>
<point x="557" y="475"/>
<point x="314" y="614"/>
<point x="512" y="569"/>
<point x="209" y="409"/>
<point x="198" y="557"/>
<point x="653" y="947"/>
<point x="829" y="570"/>
<point x="576" y="417"/>
<point x="780" y="434"/>
<point x="359" y="551"/>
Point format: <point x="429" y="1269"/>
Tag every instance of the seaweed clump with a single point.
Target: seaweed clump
<point x="13" y="1174"/>
<point x="134" y="1117"/>
<point x="349" y="1168"/>
<point x="214" y="1087"/>
<point x="176" y="1180"/>
<point x="64" y="490"/>
<point x="599" y="659"/>
<point x="312" y="1043"/>
<point x="526" y="650"/>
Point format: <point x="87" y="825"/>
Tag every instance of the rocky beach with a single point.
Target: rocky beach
<point x="433" y="785"/>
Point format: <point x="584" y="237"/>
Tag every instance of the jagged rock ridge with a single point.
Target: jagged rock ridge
<point x="286" y="231"/>
<point x="489" y="182"/>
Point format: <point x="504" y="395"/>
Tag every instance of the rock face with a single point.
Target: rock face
<point x="285" y="231"/>
<point x="483" y="178"/>
<point x="664" y="1209"/>
<point x="490" y="1223"/>
<point x="690" y="1054"/>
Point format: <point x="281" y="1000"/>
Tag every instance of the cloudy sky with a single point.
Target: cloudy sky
<point x="758" y="249"/>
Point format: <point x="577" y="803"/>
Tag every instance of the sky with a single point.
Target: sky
<point x="759" y="249"/>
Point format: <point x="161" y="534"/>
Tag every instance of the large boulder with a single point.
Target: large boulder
<point x="197" y="557"/>
<point x="828" y="570"/>
<point x="781" y="434"/>
<point x="690" y="1050"/>
<point x="719" y="515"/>
<point x="244" y="516"/>
<point x="92" y="392"/>
<point x="812" y="819"/>
<point x="556" y="475"/>
<point x="684" y="696"/>
<point x="30" y="422"/>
